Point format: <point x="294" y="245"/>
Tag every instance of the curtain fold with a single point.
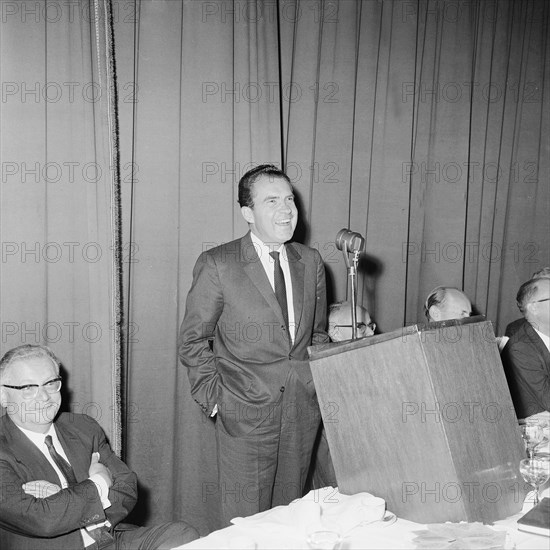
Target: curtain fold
<point x="60" y="275"/>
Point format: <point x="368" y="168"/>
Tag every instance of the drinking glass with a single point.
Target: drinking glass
<point x="533" y="436"/>
<point x="324" y="540"/>
<point x="536" y="472"/>
<point x="324" y="535"/>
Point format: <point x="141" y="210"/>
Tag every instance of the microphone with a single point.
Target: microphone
<point x="349" y="241"/>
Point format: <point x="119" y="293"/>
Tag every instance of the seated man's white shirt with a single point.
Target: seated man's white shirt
<point x="544" y="338"/>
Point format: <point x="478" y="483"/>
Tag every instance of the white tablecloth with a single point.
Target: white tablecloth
<point x="286" y="527"/>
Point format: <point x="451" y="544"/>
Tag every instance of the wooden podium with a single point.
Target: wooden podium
<point x="422" y="417"/>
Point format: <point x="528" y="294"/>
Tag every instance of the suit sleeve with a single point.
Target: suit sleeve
<point x="71" y="508"/>
<point x="203" y="309"/>
<point x="123" y="491"/>
<point x="320" y="335"/>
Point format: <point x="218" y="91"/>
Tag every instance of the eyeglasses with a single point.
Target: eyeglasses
<point x="30" y="391"/>
<point x="360" y="326"/>
<point x="536" y="301"/>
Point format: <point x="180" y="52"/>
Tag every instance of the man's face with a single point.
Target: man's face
<point x="35" y="414"/>
<point x="340" y="327"/>
<point x="274" y="215"/>
<point x="539" y="312"/>
<point x="456" y="305"/>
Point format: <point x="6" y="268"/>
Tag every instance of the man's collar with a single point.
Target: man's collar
<point x="37" y="437"/>
<point x="543" y="337"/>
<point x="265" y="248"/>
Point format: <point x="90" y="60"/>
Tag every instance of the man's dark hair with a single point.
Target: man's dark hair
<point x="246" y="183"/>
<point x="435" y="298"/>
<point x="526" y="292"/>
<point x="543" y="273"/>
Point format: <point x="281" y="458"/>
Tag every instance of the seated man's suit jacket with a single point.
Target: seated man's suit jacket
<point x="29" y="523"/>
<point x="526" y="363"/>
<point x="231" y="303"/>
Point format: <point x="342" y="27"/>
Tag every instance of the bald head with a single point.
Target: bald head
<point x="444" y="303"/>
<point x="339" y="322"/>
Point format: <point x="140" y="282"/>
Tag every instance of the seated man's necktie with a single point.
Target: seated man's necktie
<point x="65" y="468"/>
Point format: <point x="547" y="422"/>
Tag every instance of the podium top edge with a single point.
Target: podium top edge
<point x="326" y="350"/>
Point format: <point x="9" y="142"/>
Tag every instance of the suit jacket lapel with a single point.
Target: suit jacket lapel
<point x="27" y="453"/>
<point x="255" y="270"/>
<point x="76" y="452"/>
<point x="297" y="270"/>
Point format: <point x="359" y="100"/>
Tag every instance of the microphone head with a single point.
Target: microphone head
<point x="350" y="241"/>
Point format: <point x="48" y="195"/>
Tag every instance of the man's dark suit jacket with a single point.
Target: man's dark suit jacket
<point x="232" y="304"/>
<point x="526" y="363"/>
<point x="512" y="327"/>
<point x="53" y="523"/>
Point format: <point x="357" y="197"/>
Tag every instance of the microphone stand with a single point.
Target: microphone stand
<point x="352" y="272"/>
<point x="348" y="241"/>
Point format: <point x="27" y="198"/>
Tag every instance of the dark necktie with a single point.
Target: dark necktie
<point x="280" y="286"/>
<point x="61" y="463"/>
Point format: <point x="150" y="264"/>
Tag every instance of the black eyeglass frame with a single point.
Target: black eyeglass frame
<point x="37" y="387"/>
<point x="359" y="325"/>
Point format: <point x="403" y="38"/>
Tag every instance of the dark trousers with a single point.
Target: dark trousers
<point x="323" y="474"/>
<point x="159" y="537"/>
<point x="269" y="466"/>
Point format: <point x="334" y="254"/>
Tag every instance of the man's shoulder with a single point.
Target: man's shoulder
<point x="230" y="249"/>
<point x="524" y="334"/>
<point x="79" y="422"/>
<point x="304" y="251"/>
<point x="514" y="326"/>
<point x="525" y="345"/>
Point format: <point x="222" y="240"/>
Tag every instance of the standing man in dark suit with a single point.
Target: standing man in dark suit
<point x="61" y="485"/>
<point x="526" y="357"/>
<point x="254" y="307"/>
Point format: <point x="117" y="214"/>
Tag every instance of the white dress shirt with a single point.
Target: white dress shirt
<point x="268" y="264"/>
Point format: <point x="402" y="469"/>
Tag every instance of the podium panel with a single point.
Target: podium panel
<point x="423" y="417"/>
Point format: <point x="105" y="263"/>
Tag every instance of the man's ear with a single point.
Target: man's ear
<point x="3" y="397"/>
<point x="247" y="213"/>
<point x="434" y="313"/>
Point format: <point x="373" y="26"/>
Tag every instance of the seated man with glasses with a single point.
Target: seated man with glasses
<point x="61" y="485"/>
<point x="526" y="356"/>
<point x="543" y="273"/>
<point x="339" y="322"/>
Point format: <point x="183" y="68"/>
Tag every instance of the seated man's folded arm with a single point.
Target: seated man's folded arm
<point x="65" y="511"/>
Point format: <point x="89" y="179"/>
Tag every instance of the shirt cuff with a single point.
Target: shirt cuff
<point x="102" y="489"/>
<point x="214" y="411"/>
